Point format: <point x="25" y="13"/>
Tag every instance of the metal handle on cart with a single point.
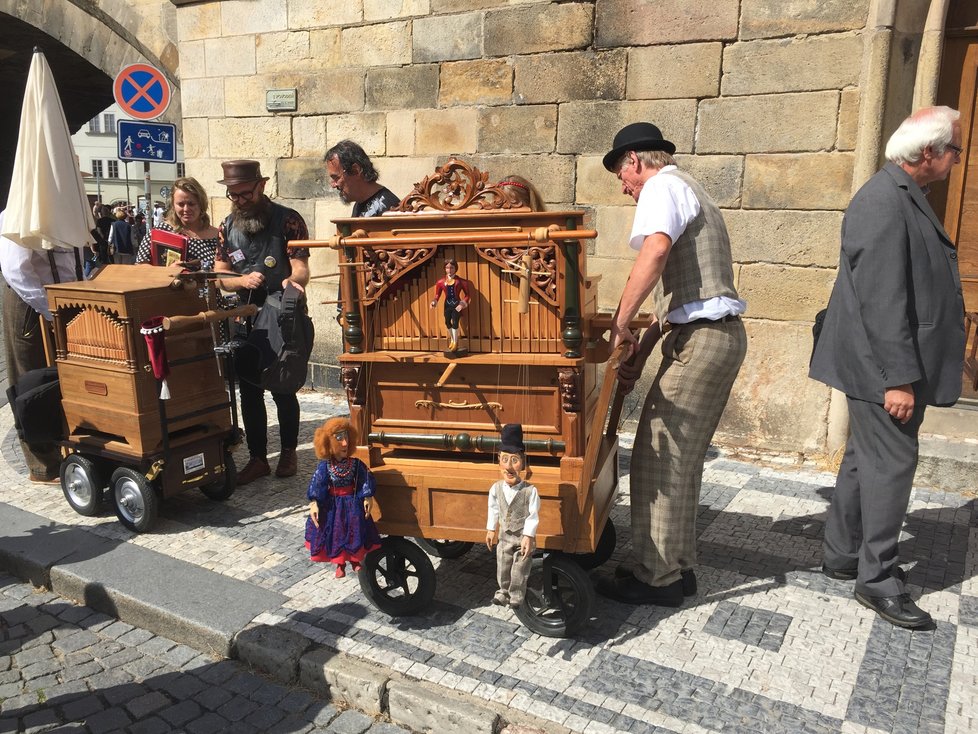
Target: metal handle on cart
<point x="178" y="324"/>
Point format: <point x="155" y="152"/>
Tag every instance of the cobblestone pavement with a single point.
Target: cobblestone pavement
<point x="65" y="667"/>
<point x="768" y="644"/>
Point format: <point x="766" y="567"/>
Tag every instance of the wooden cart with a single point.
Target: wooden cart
<point x="118" y="431"/>
<point x="429" y="420"/>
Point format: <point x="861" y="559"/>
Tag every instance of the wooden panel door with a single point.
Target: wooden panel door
<point x="958" y="201"/>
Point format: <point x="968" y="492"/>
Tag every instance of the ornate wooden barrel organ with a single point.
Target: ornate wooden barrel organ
<point x="110" y="396"/>
<point x="429" y="421"/>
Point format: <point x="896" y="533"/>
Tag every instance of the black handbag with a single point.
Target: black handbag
<point x="35" y="401"/>
<point x="275" y="353"/>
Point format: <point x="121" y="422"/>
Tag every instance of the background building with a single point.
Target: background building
<point x="113" y="180"/>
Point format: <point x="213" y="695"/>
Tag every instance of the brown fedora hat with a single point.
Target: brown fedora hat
<point x="238" y="172"/>
<point x="637" y="136"/>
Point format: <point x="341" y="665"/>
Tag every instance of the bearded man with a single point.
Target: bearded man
<point x="254" y="244"/>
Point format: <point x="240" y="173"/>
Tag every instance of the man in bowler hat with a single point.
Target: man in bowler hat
<point x="254" y="245"/>
<point x="683" y="259"/>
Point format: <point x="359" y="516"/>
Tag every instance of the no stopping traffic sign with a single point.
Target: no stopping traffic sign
<point x="141" y="91"/>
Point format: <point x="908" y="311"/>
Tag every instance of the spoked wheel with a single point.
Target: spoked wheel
<point x="559" y="597"/>
<point x="606" y="546"/>
<point x="136" y="503"/>
<point x="223" y="488"/>
<point x="445" y="548"/>
<point x="82" y="484"/>
<point x="398" y="578"/>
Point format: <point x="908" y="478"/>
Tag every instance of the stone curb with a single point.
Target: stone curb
<point x="213" y="614"/>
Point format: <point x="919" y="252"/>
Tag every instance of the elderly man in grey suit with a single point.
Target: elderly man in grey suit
<point x="893" y="342"/>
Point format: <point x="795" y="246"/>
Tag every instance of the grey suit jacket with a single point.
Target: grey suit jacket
<point x="896" y="314"/>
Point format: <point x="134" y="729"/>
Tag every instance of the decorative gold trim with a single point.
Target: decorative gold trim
<point x="454" y="187"/>
<point x="457" y="405"/>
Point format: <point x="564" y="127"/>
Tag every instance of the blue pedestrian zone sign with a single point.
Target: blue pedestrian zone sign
<point x="145" y="141"/>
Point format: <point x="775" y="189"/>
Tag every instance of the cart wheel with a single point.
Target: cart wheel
<point x="136" y="503"/>
<point x="606" y="546"/>
<point x="559" y="597"/>
<point x="224" y="487"/>
<point x="82" y="485"/>
<point x="444" y="548"/>
<point x="398" y="578"/>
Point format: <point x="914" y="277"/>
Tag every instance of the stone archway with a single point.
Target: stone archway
<point x="86" y="45"/>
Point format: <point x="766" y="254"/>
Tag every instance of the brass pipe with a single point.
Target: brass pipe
<point x="536" y="236"/>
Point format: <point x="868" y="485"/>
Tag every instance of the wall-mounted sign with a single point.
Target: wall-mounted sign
<point x="280" y="100"/>
<point x="147" y="141"/>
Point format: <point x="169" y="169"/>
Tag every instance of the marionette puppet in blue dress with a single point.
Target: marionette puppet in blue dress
<point x="339" y="529"/>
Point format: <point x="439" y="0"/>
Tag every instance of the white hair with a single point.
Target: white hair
<point x="930" y="126"/>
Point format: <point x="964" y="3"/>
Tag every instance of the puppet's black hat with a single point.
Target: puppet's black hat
<point x="511" y="439"/>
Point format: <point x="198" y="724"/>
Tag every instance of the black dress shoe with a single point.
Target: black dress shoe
<point x="629" y="590"/>
<point x="840" y="574"/>
<point x="845" y="574"/>
<point x="899" y="610"/>
<point x="688" y="578"/>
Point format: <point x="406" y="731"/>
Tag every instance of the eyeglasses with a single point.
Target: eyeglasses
<point x="243" y="195"/>
<point x="958" y="150"/>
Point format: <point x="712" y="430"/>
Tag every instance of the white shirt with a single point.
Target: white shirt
<point x="667" y="205"/>
<point x="533" y="507"/>
<point x="28" y="271"/>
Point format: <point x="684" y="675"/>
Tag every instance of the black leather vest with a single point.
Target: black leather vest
<point x="264" y="252"/>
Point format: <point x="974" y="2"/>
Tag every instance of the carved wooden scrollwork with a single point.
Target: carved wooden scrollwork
<point x="543" y="277"/>
<point x="350" y="377"/>
<point x="383" y="267"/>
<point x="569" y="381"/>
<point x="456" y="186"/>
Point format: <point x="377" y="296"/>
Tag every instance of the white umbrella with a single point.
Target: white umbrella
<point x="47" y="206"/>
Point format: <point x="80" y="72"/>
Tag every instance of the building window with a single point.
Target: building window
<point x="181" y="170"/>
<point x="97" y="168"/>
<point x="109" y="119"/>
<point x="93" y="125"/>
<point x="113" y="169"/>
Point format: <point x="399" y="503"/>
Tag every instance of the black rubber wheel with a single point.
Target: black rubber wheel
<point x="444" y="548"/>
<point x="398" y="578"/>
<point x="82" y="485"/>
<point x="606" y="546"/>
<point x="559" y="597"/>
<point x="223" y="488"/>
<point x="136" y="502"/>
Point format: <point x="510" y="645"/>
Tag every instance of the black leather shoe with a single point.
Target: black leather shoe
<point x="688" y="578"/>
<point x="630" y="590"/>
<point x="845" y="574"/>
<point x="899" y="610"/>
<point x="840" y="574"/>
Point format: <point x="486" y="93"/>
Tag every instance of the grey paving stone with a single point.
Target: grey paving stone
<point x="108" y="720"/>
<point x="153" y="725"/>
<point x="180" y="713"/>
<point x="208" y="724"/>
<point x="237" y="709"/>
<point x="213" y="698"/>
<point x="349" y="722"/>
<point x="147" y="704"/>
<point x="83" y="707"/>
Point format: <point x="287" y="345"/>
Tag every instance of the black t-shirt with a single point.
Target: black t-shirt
<point x="377" y="204"/>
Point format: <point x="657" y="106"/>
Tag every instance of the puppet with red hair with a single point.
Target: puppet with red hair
<point x="339" y="529"/>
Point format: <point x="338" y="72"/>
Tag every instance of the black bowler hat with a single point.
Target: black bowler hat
<point x="511" y="439"/>
<point x="637" y="136"/>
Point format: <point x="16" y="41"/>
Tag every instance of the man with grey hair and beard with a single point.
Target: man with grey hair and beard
<point x="254" y="244"/>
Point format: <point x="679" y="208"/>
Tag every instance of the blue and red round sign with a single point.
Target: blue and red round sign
<point x="142" y="91"/>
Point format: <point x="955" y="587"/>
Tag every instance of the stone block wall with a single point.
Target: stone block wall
<point x="761" y="98"/>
